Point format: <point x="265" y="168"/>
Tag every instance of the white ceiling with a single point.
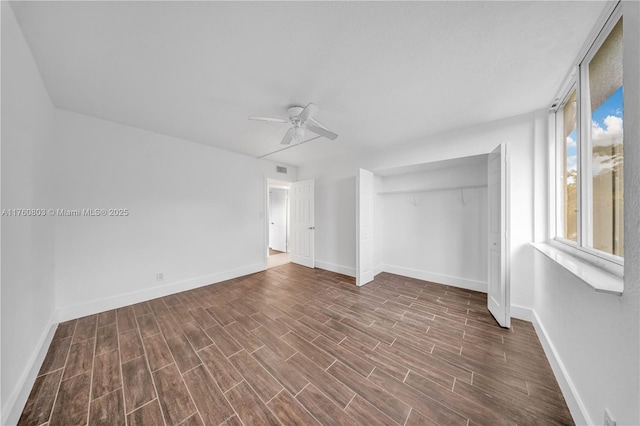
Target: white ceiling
<point x="381" y="72"/>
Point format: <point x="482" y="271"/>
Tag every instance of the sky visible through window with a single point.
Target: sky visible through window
<point x="606" y="129"/>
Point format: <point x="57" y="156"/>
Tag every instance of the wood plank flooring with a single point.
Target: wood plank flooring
<point x="298" y="346"/>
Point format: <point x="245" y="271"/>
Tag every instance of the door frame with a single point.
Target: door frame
<point x="285" y="223"/>
<point x="273" y="183"/>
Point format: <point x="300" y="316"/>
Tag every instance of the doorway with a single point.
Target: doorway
<point x="277" y="224"/>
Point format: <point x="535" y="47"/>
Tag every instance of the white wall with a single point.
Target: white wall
<point x="335" y="217"/>
<point x="27" y="243"/>
<point x="596" y="336"/>
<point x="437" y="236"/>
<point x="335" y="191"/>
<point x="197" y="214"/>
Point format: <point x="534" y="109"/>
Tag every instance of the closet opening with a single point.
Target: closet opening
<point x="440" y="222"/>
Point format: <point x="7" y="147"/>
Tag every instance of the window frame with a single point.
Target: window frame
<point x="577" y="80"/>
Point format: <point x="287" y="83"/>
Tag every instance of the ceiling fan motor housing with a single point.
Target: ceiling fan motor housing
<point x="294" y="111"/>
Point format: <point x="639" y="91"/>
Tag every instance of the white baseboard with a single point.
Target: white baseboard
<point x="437" y="278"/>
<point x="12" y="408"/>
<point x="378" y="269"/>
<point x="105" y="304"/>
<point x="522" y="313"/>
<point x="574" y="402"/>
<point x="344" y="270"/>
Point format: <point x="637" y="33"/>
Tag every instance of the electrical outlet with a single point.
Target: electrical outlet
<point x="160" y="276"/>
<point x="608" y="419"/>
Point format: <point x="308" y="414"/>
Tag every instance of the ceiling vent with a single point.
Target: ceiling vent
<point x="281" y="169"/>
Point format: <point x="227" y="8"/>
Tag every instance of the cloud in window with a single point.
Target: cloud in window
<point x="610" y="134"/>
<point x="604" y="139"/>
<point x="572" y="162"/>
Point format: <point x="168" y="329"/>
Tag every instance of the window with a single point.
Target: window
<point x="589" y="141"/>
<point x="569" y="228"/>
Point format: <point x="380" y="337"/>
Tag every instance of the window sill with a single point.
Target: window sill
<point x="596" y="278"/>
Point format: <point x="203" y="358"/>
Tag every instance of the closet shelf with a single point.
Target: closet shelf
<point x="448" y="188"/>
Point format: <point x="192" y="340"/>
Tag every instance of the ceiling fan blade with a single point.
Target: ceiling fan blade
<point x="289" y="136"/>
<point x="272" y="119"/>
<point x="317" y="123"/>
<point x="322" y="132"/>
<point x="308" y="112"/>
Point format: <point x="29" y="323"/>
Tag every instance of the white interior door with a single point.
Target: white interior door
<point x="364" y="227"/>
<point x="301" y="200"/>
<point x="498" y="294"/>
<point x="278" y="219"/>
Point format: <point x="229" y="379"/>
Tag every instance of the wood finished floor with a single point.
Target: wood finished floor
<point x="298" y="346"/>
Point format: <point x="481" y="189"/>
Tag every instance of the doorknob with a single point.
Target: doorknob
<point x="312" y="227"/>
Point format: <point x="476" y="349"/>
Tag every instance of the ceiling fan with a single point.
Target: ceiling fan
<point x="301" y="120"/>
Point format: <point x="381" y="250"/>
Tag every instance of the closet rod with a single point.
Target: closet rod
<point x="448" y="188"/>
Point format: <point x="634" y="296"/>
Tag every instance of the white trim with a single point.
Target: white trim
<point x="506" y="147"/>
<point x="339" y="269"/>
<point x="597" y="278"/>
<point x="378" y="269"/>
<point x="265" y="216"/>
<point x="12" y="408"/>
<point x="569" y="391"/>
<point x="466" y="283"/>
<point x="612" y="264"/>
<point x="101" y="305"/>
<point x="522" y="313"/>
<point x="552" y="175"/>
